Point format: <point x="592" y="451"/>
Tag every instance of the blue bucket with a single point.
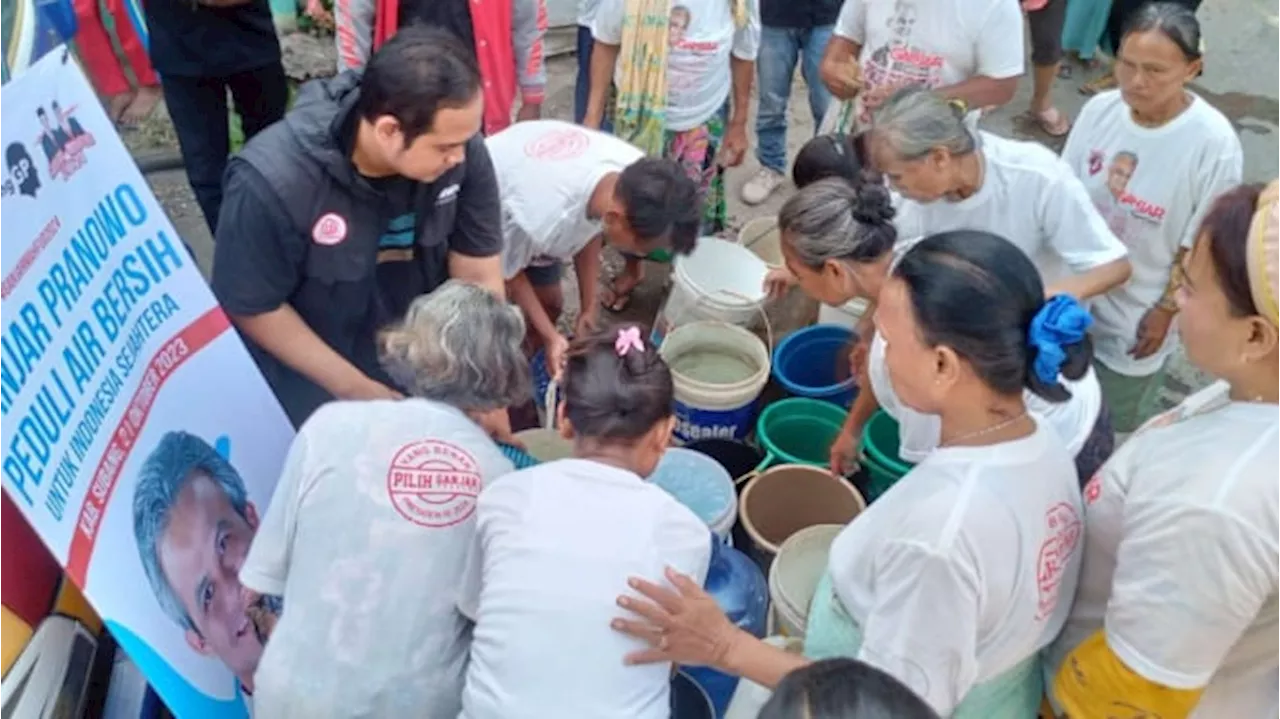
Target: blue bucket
<point x="541" y="381"/>
<point x="812" y="363"/>
<point x="688" y="700"/>
<point x="701" y="484"/>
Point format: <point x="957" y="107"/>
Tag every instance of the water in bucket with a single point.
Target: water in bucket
<point x="715" y="365"/>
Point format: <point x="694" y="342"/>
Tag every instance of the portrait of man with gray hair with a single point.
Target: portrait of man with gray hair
<point x="193" y="522"/>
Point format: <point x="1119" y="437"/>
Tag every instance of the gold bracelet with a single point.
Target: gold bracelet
<point x="960" y="105"/>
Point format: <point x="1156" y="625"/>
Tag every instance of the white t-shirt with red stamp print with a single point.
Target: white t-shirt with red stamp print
<point x="554" y="547"/>
<point x="934" y="43"/>
<point x="1153" y="186"/>
<point x="366" y="538"/>
<point x="965" y="567"/>
<point x="1180" y="558"/>
<point x="702" y="37"/>
<point x="547" y="171"/>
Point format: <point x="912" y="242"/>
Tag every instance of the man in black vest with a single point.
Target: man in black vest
<point x="375" y="188"/>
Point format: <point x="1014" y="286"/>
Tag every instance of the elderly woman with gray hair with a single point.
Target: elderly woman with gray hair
<point x="368" y="531"/>
<point x="951" y="177"/>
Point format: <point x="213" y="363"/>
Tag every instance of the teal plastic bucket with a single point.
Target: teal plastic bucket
<point x="799" y="430"/>
<point x="880" y="441"/>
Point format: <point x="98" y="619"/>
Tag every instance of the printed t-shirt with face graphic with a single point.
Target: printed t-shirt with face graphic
<point x="1154" y="185"/>
<point x="964" y="569"/>
<point x="935" y="43"/>
<point x="919" y="433"/>
<point x="701" y="36"/>
<point x="1030" y="197"/>
<point x="553" y="548"/>
<point x="547" y="172"/>
<point x="1180" y="558"/>
<point x="366" y="538"/>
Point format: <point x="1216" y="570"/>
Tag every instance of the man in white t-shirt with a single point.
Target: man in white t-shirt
<point x="968" y="51"/>
<point x="565" y="191"/>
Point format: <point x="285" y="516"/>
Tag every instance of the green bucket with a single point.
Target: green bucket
<point x="879" y="478"/>
<point x="880" y="443"/>
<point x="799" y="430"/>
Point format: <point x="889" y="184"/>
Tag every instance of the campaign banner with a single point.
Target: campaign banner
<point x="140" y="441"/>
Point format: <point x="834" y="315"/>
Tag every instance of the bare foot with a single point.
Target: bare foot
<point x="117" y="104"/>
<point x="144" y="103"/>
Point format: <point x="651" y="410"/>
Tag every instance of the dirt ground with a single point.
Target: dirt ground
<point x="307" y="57"/>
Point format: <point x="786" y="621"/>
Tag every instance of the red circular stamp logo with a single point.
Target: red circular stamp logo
<point x="433" y="484"/>
<point x="330" y="229"/>
<point x="1062" y="535"/>
<point x="560" y="144"/>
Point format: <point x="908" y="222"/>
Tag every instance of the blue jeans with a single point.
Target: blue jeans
<point x="582" y="88"/>
<point x="780" y="47"/>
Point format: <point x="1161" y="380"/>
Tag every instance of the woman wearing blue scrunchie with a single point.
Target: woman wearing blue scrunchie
<point x="956" y="578"/>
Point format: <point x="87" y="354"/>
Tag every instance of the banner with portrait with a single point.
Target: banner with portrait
<point x="140" y="441"/>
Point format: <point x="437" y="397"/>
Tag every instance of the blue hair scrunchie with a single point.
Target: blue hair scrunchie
<point x="1061" y="321"/>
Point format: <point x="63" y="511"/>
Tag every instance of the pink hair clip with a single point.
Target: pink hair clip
<point x="628" y="339"/>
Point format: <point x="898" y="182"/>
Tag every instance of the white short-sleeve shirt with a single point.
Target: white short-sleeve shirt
<point x="366" y="539"/>
<point x="702" y="37"/>
<point x="1030" y="197"/>
<point x="1180" y="558"/>
<point x="934" y="43"/>
<point x="965" y="567"/>
<point x="547" y="172"/>
<point x="554" y="547"/>
<point x="1153" y="200"/>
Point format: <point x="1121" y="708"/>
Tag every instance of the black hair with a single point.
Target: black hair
<point x="834" y="219"/>
<point x="419" y="72"/>
<point x="1173" y="20"/>
<point x="843" y="689"/>
<point x="832" y="155"/>
<point x="977" y="293"/>
<point x="1227" y="224"/>
<point x="662" y="203"/>
<point x="40" y="112"/>
<point x="615" y="397"/>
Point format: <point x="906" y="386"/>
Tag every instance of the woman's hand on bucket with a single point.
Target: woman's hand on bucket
<point x="684" y="625"/>
<point x="844" y="453"/>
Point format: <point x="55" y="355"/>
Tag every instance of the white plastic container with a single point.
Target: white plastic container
<point x="795" y="573"/>
<point x="846" y="315"/>
<point x="718" y="371"/>
<point x="720" y="280"/>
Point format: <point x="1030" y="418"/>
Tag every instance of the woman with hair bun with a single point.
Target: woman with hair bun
<point x="1176" y="609"/>
<point x="956" y="578"/>
<point x="839" y="242"/>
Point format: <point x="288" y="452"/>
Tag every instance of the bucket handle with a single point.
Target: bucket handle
<point x="549" y="404"/>
<point x="768" y="326"/>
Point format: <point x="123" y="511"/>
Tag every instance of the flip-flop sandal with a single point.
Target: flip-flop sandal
<point x="1052" y="122"/>
<point x="1102" y="84"/>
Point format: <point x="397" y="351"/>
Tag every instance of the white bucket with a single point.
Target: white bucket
<point x="720" y="280"/>
<point x="749" y="698"/>
<point x="847" y="315"/>
<point x="795" y="573"/>
<point x="718" y="371"/>
<point x="761" y="236"/>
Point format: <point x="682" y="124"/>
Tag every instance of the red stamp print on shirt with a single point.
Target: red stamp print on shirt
<point x="1093" y="489"/>
<point x="1062" y="529"/>
<point x="433" y="484"/>
<point x="560" y="144"/>
<point x="329" y="230"/>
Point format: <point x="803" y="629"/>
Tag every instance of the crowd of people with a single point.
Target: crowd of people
<point x="391" y="250"/>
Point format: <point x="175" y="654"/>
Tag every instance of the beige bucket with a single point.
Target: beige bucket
<point x="761" y="236"/>
<point x="795" y="573"/>
<point x="785" y="499"/>
<point x="545" y="445"/>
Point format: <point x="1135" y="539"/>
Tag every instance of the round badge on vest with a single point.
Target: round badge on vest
<point x="329" y="230"/>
